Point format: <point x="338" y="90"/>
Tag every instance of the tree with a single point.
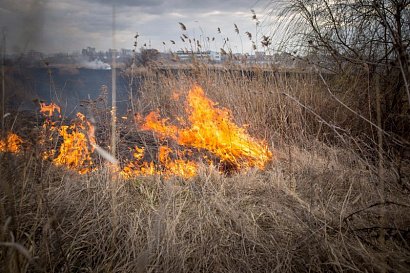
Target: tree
<point x="362" y="37"/>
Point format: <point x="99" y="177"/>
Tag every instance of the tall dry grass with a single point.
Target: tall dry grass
<point x="53" y="221"/>
<point x="316" y="208"/>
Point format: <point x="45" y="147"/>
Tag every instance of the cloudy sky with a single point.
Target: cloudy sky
<point x="68" y="25"/>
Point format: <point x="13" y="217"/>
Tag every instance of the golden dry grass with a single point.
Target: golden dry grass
<point x="301" y="215"/>
<point x="316" y="208"/>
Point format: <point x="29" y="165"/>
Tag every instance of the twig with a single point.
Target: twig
<point x="375" y="205"/>
<point x="333" y="127"/>
<point x="399" y="141"/>
<point x="346" y="106"/>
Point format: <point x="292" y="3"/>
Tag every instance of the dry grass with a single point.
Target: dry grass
<point x="278" y="106"/>
<point x="254" y="222"/>
<point x="314" y="209"/>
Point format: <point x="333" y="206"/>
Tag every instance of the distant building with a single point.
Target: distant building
<point x="260" y="56"/>
<point x="34" y="55"/>
<point x="207" y="56"/>
<point x="113" y="52"/>
<point x="126" y="52"/>
<point x="89" y="52"/>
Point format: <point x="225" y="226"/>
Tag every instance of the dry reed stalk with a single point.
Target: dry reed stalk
<point x="113" y="145"/>
<point x="380" y="175"/>
<point x="3" y="85"/>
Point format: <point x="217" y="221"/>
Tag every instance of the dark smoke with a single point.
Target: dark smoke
<point x="23" y="22"/>
<point x="33" y="21"/>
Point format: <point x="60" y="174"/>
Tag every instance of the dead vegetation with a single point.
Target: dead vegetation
<point x="316" y="208"/>
<point x="312" y="211"/>
<point x="333" y="199"/>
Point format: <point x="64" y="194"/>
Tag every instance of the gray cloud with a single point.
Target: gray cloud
<point x="180" y="4"/>
<point x="135" y="3"/>
<point x="213" y="4"/>
<point x="67" y="25"/>
<point x="163" y="6"/>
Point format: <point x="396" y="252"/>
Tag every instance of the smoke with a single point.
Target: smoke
<point x="34" y="23"/>
<point x="82" y="61"/>
<point x="24" y="21"/>
<point x="96" y="64"/>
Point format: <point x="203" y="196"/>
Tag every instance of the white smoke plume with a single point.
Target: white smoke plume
<point x="96" y="64"/>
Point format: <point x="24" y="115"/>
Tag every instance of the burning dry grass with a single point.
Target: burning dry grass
<point x="311" y="212"/>
<point x="255" y="97"/>
<point x="11" y="143"/>
<point x="205" y="130"/>
<point x="316" y="208"/>
<point x="211" y="129"/>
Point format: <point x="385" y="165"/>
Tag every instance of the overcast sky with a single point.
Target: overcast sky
<point x="68" y="25"/>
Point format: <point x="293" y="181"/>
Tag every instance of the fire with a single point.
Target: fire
<point x="178" y="167"/>
<point x="49" y="129"/>
<point x="212" y="129"/>
<point x="12" y="143"/>
<point x="76" y="147"/>
<point x="48" y="110"/>
<point x="75" y="151"/>
<point x="206" y="135"/>
<point x="167" y="166"/>
<point x="138" y="167"/>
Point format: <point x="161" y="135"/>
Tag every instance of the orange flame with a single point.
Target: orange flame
<point x="175" y="167"/>
<point x="138" y="167"/>
<point x="76" y="148"/>
<point x="48" y="110"/>
<point x="12" y="143"/>
<point x="206" y="129"/>
<point x="213" y="130"/>
<point x="167" y="166"/>
<point x="49" y="129"/>
<point x="75" y="151"/>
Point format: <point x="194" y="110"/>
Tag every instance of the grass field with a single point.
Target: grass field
<point x="328" y="201"/>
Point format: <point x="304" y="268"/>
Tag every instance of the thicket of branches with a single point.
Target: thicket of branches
<point x="366" y="44"/>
